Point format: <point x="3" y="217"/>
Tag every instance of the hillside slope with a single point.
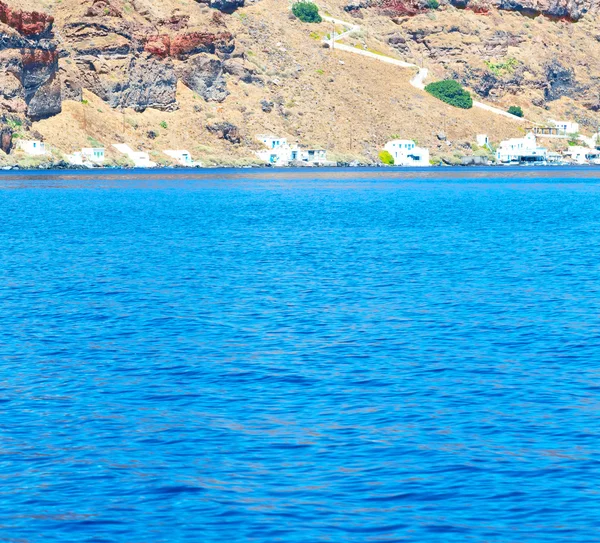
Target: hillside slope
<point x="209" y="77"/>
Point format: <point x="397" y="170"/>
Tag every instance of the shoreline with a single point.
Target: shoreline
<point x="73" y="168"/>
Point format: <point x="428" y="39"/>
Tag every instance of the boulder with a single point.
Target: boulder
<point x="6" y="134"/>
<point x="560" y="81"/>
<point x="226" y="6"/>
<point x="204" y="75"/>
<point x="225" y="131"/>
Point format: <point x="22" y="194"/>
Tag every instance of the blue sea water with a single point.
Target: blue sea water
<point x="300" y="356"/>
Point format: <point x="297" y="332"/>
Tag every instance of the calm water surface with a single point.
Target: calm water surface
<point x="300" y="356"/>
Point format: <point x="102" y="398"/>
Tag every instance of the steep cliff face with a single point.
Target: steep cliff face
<point x="561" y="9"/>
<point x="130" y="64"/>
<point x="124" y="53"/>
<point x="29" y="81"/>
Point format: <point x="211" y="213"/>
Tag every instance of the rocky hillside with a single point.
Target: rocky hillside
<point x="207" y="76"/>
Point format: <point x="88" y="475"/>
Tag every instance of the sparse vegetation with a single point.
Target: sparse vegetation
<point x="307" y="12"/>
<point x="94" y="142"/>
<point x="451" y="92"/>
<point x="516" y="110"/>
<point x="386" y="158"/>
<point x="164" y="125"/>
<point x="433" y="4"/>
<point x="15" y="124"/>
<point x="502" y="68"/>
<point x="573" y="139"/>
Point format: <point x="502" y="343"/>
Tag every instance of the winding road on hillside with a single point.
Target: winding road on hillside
<point x="418" y="81"/>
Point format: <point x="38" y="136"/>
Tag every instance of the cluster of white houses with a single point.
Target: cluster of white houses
<point x="96" y="156"/>
<point x="277" y="151"/>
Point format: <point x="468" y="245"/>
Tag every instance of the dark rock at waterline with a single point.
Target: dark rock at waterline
<point x="6" y="134"/>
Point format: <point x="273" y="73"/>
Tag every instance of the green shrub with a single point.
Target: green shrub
<point x="433" y="4"/>
<point x="451" y="92"/>
<point x="386" y="158"/>
<point x="573" y="139"/>
<point x="516" y="110"/>
<point x="502" y="68"/>
<point x="307" y="12"/>
<point x="164" y="125"/>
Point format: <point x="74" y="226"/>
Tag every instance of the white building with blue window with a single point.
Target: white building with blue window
<point x="564" y="128"/>
<point x="32" y="147"/>
<point x="279" y="152"/>
<point x="406" y="153"/>
<point x="272" y="142"/>
<point x="93" y="154"/>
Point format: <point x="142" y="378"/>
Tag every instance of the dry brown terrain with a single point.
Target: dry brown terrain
<point x="349" y="104"/>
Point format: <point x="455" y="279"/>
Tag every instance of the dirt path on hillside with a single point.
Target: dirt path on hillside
<point x="418" y="81"/>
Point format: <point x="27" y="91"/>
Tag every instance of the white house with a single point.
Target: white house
<point x="184" y="158"/>
<point x="140" y="159"/>
<point x="583" y="155"/>
<point x="278" y="151"/>
<point x="565" y="127"/>
<point x="86" y="157"/>
<point x="272" y="142"/>
<point x="521" y="150"/>
<point x="76" y="159"/>
<point x="32" y="147"/>
<point x="482" y="140"/>
<point x="93" y="154"/>
<point x="312" y="156"/>
<point x="406" y="153"/>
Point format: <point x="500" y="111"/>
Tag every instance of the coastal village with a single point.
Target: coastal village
<point x="330" y="85"/>
<point x="534" y="148"/>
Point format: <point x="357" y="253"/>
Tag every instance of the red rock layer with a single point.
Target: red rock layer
<point x="26" y="23"/>
<point x="186" y="44"/>
<point x="38" y="57"/>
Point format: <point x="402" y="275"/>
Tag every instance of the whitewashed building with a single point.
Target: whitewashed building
<point x="564" y="128"/>
<point x="277" y="153"/>
<point x="312" y="156"/>
<point x="88" y="156"/>
<point x="482" y="140"/>
<point x="280" y="153"/>
<point x="272" y="142"/>
<point x="583" y="155"/>
<point x="139" y="159"/>
<point x="75" y="159"/>
<point x="406" y="153"/>
<point x="183" y="158"/>
<point x="94" y="154"/>
<point x="521" y="150"/>
<point x="32" y="147"/>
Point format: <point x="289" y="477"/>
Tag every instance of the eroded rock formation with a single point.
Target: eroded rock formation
<point x="29" y="80"/>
